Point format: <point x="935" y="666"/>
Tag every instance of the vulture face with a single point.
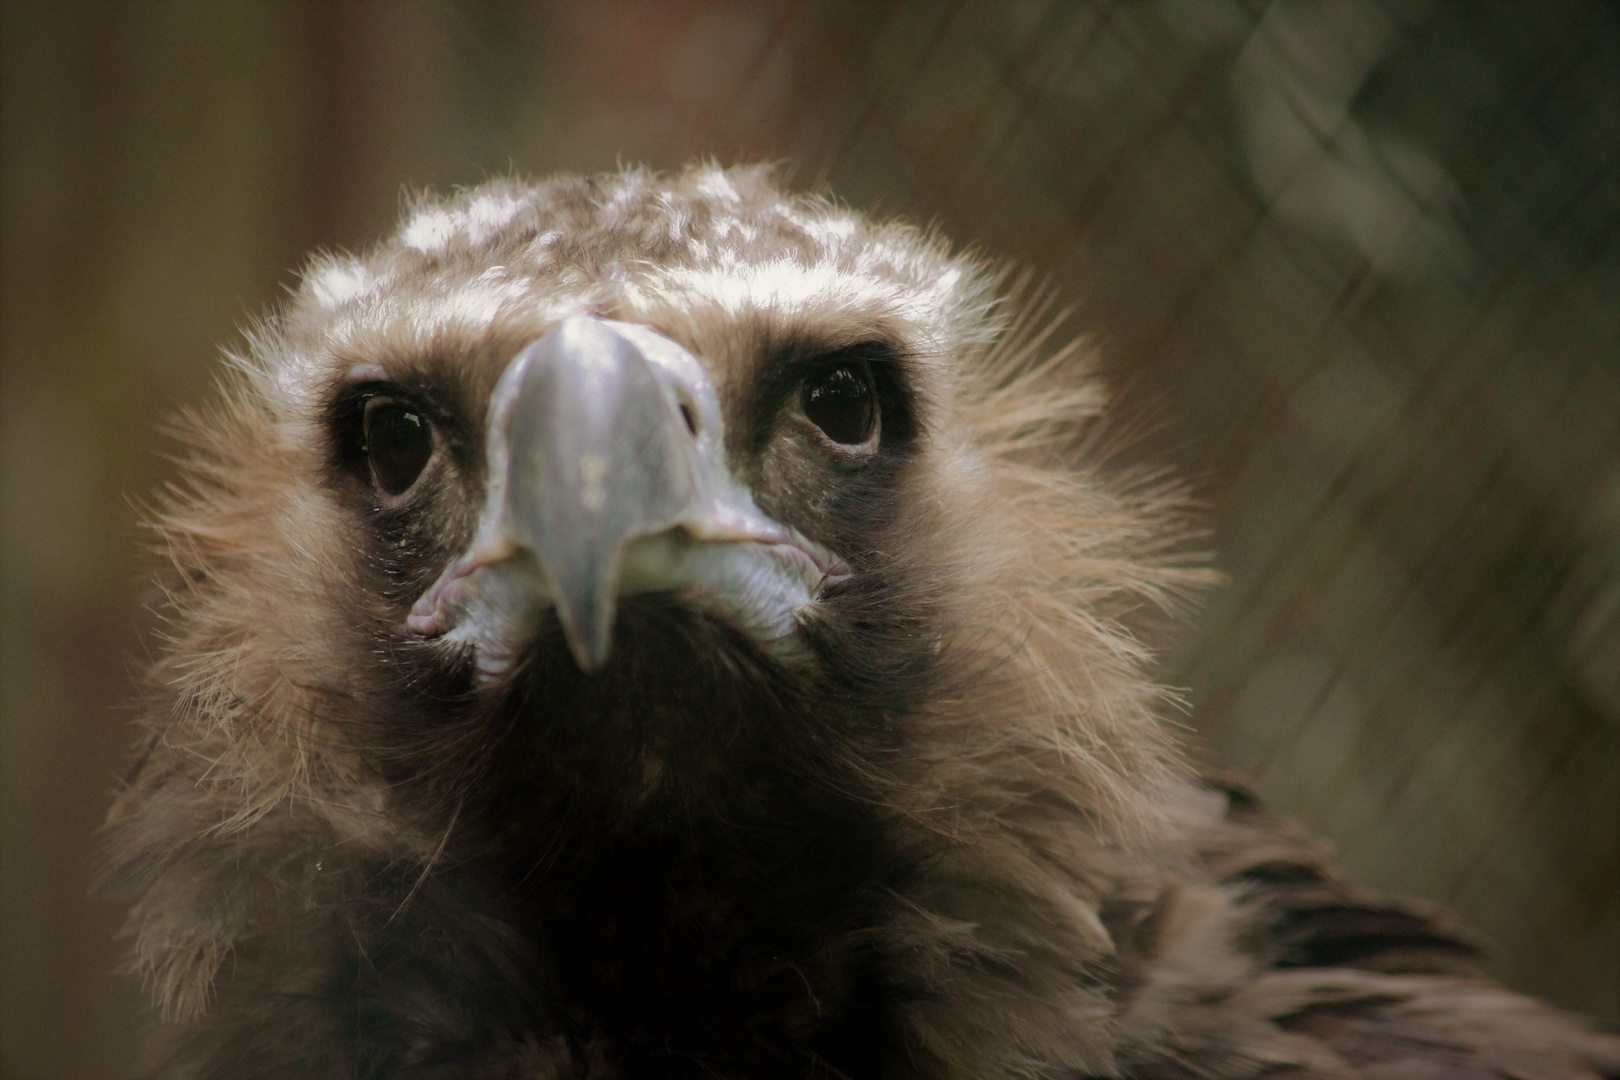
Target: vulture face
<point x="639" y="544"/>
<point x="608" y="478"/>
<point x="642" y="627"/>
<point x="610" y="597"/>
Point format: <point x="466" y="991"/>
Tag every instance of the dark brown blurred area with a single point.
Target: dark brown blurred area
<point x="1353" y="263"/>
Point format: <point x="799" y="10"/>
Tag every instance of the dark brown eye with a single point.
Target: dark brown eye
<point x="399" y="444"/>
<point x="841" y="401"/>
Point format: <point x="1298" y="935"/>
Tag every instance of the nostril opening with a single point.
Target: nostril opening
<point x="690" y="417"/>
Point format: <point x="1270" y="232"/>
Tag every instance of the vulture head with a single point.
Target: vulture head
<point x="645" y="626"/>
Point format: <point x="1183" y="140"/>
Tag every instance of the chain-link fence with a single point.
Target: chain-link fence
<point x="1352" y="264"/>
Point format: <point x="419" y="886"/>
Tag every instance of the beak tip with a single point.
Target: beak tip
<point x="589" y="632"/>
<point x="589" y="658"/>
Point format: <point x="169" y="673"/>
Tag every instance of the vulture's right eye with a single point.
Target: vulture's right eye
<point x="398" y="442"/>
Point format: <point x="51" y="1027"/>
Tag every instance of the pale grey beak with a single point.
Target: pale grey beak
<point x="597" y="455"/>
<point x="607" y="477"/>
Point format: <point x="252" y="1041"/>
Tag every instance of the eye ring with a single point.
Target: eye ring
<point x="841" y="401"/>
<point x="398" y="441"/>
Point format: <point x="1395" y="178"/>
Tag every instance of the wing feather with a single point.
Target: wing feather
<point x="1302" y="974"/>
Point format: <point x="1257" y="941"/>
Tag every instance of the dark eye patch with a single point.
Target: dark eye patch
<point x="384" y="435"/>
<point x="803" y="376"/>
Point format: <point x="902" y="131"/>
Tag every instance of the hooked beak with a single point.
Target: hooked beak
<point x="607" y="477"/>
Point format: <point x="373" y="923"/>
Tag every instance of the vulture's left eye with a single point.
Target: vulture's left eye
<point x="842" y="402"/>
<point x="398" y="444"/>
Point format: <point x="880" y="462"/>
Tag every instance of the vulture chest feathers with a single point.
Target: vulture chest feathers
<point x="640" y="627"/>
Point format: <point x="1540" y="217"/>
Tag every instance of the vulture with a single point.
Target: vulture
<point x="656" y="626"/>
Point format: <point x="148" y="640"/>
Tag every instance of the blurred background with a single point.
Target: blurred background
<point x="1353" y="264"/>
